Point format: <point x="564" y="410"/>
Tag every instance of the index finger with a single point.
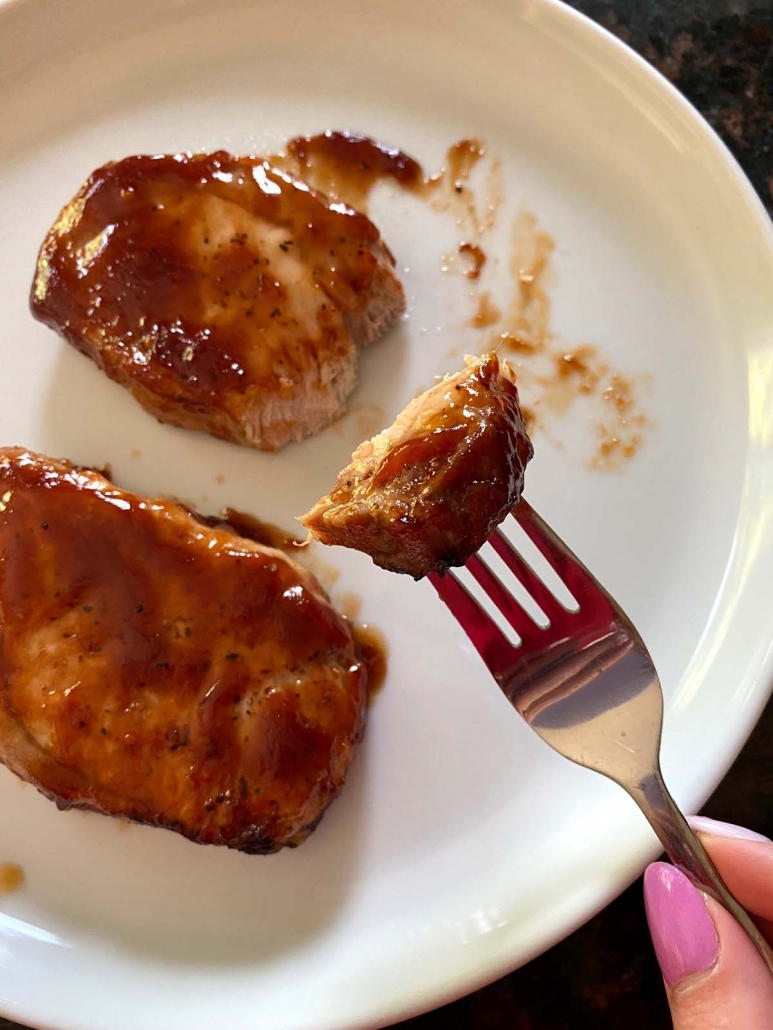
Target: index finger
<point x="745" y="862"/>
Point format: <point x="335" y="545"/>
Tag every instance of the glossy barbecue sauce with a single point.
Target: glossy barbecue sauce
<point x="373" y="650"/>
<point x="459" y="448"/>
<point x="477" y="399"/>
<point x="257" y="530"/>
<point x="371" y="644"/>
<point x="181" y="656"/>
<point x="170" y="265"/>
<point x="347" y="166"/>
<point x="477" y="256"/>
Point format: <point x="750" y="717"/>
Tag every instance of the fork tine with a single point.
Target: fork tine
<point x="487" y="638"/>
<point x="523" y="572"/>
<point x="519" y="619"/>
<point x="570" y="569"/>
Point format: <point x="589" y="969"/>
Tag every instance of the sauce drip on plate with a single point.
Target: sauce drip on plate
<point x="260" y="532"/>
<point x="554" y="379"/>
<point x="347" y="166"/>
<point x="11" y="877"/>
<point x="373" y="650"/>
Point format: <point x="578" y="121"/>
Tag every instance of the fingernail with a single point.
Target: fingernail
<point x="683" y="932"/>
<point x="702" y="824"/>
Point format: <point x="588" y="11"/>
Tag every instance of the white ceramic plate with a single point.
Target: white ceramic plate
<point x="461" y="846"/>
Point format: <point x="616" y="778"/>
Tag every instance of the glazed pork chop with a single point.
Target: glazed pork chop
<point x="427" y="492"/>
<point x="158" y="669"/>
<point x="225" y="295"/>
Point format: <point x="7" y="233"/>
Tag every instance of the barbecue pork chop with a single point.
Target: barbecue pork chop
<point x="427" y="492"/>
<point x="225" y="295"/>
<point x="158" y="669"/>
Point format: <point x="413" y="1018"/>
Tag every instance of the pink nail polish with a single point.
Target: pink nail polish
<point x="702" y="824"/>
<point x="683" y="932"/>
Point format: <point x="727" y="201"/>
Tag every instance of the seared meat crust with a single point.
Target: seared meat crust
<point x="427" y="492"/>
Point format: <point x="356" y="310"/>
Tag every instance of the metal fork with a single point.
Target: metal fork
<point x="587" y="685"/>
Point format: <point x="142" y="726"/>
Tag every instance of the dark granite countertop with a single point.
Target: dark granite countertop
<point x="719" y="53"/>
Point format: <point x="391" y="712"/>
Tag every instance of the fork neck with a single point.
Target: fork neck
<point x="686" y="851"/>
<point x="679" y="842"/>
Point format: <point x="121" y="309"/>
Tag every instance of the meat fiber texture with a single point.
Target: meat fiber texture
<point x="427" y="492"/>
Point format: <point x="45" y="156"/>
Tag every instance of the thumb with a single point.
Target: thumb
<point x="715" y="978"/>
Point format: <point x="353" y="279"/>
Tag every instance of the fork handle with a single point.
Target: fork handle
<point x="688" y="854"/>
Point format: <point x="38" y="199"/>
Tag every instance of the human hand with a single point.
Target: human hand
<point x="715" y="978"/>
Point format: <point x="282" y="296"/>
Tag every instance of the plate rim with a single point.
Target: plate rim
<point x="588" y="35"/>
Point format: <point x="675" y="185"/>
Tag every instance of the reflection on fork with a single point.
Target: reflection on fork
<point x="584" y="681"/>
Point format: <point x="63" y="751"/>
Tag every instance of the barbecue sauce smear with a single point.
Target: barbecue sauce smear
<point x="553" y="378"/>
<point x="11" y="878"/>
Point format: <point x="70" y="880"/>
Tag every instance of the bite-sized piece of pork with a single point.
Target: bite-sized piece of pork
<point x="155" y="668"/>
<point x="428" y="491"/>
<point x="225" y="295"/>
